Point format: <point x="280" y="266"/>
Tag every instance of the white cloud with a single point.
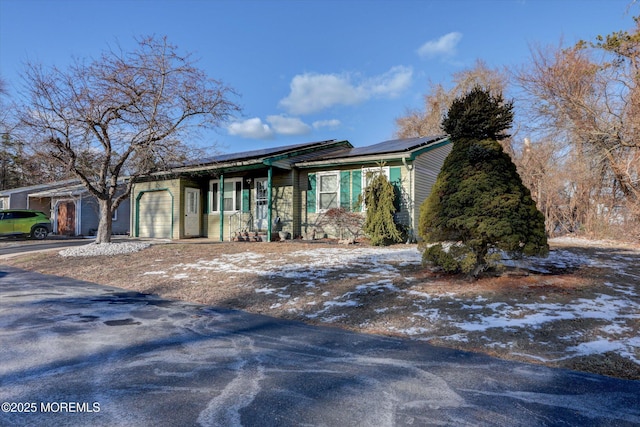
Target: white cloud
<point x="288" y="125"/>
<point x="315" y="92"/>
<point x="255" y="128"/>
<point x="391" y="83"/>
<point x="331" y="124"/>
<point x="251" y="128"/>
<point x="444" y="46"/>
<point x="311" y="92"/>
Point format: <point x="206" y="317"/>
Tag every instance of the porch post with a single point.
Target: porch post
<point x="221" y="205"/>
<point x="269" y="225"/>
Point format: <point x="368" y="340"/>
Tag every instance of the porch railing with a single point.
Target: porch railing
<point x="240" y="222"/>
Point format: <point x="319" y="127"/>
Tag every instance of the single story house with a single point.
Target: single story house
<point x="75" y="212"/>
<point x="284" y="189"/>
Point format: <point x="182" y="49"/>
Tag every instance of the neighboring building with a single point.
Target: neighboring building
<point x="281" y="188"/>
<point x="75" y="212"/>
<point x="18" y="198"/>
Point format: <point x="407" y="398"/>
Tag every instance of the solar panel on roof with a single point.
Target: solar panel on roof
<point x="393" y="146"/>
<point x="253" y="154"/>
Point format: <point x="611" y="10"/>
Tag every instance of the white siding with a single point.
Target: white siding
<point x="426" y="169"/>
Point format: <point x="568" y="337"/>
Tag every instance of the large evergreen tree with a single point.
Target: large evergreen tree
<point x="478" y="201"/>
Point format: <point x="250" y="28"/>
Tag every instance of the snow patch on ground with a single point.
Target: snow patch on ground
<point x="613" y="312"/>
<point x="557" y="259"/>
<point x="310" y="265"/>
<point x="478" y="315"/>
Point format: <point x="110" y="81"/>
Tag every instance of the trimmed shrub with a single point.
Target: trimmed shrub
<point x="479" y="199"/>
<point x="379" y="223"/>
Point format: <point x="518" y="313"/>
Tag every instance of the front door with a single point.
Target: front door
<point x="192" y="212"/>
<point x="66" y="218"/>
<point x="261" y="204"/>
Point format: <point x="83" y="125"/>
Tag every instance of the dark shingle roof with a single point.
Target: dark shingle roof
<point x="393" y="146"/>
<point x="261" y="153"/>
<point x="37" y="187"/>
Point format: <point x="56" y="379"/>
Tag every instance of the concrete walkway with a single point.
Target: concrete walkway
<point x="79" y="354"/>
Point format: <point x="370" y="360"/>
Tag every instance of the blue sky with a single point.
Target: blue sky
<point x="309" y="70"/>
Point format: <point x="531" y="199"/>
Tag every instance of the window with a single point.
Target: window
<point x="23" y="215"/>
<point x="192" y="201"/>
<point x="328" y="190"/>
<point x="367" y="176"/>
<point x="232" y="195"/>
<point x="369" y="173"/>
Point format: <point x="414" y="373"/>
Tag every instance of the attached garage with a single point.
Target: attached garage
<point x="286" y="188"/>
<point x="155" y="214"/>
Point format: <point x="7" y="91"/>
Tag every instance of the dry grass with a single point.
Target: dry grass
<point x="179" y="271"/>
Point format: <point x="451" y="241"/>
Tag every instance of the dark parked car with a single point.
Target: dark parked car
<point x="24" y="222"/>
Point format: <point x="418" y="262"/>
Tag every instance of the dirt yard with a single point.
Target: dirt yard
<point x="578" y="309"/>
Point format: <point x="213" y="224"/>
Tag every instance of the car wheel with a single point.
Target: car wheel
<point x="39" y="233"/>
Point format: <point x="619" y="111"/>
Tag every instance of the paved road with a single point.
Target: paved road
<point x="12" y="246"/>
<point x="76" y="353"/>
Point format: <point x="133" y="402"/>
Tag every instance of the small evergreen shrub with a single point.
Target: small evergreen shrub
<point x="379" y="224"/>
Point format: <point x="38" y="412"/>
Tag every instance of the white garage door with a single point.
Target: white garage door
<point x="154" y="220"/>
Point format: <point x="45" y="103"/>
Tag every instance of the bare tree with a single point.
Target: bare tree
<point x="587" y="96"/>
<point x="3" y="109"/>
<point x="427" y="122"/>
<point x="122" y="115"/>
<point x="12" y="156"/>
<point x="566" y="184"/>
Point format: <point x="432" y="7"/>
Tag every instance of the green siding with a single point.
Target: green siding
<point x="356" y="188"/>
<point x="345" y="177"/>
<point x="311" y="194"/>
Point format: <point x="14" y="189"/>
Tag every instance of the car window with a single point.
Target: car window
<point x="22" y="215"/>
<point x="7" y="215"/>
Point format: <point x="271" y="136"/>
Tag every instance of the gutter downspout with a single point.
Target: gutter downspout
<point x="221" y="204"/>
<point x="269" y="205"/>
<point x="411" y="238"/>
<point x="78" y="202"/>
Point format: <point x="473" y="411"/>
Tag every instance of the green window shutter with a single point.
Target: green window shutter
<point x="311" y="194"/>
<point x="345" y="177"/>
<point x="356" y="188"/>
<point x="395" y="177"/>
<point x="245" y="200"/>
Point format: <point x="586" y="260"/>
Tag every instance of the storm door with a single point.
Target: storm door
<point x="261" y="203"/>
<point x="192" y="212"/>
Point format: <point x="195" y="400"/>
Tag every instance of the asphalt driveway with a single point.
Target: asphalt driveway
<point x="76" y="353"/>
<point x="10" y="246"/>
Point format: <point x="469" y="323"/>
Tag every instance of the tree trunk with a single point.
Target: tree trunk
<point x="103" y="235"/>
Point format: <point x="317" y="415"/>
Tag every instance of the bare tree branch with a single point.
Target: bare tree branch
<point x="125" y="113"/>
